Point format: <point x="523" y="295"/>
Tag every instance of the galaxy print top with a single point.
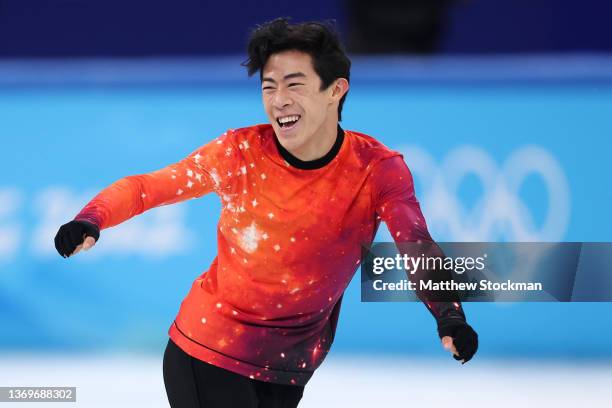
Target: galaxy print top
<point x="289" y="242"/>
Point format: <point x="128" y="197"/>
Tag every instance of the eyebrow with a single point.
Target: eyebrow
<point x="286" y="77"/>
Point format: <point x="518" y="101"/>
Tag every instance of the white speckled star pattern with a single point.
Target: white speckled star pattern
<point x="289" y="242"/>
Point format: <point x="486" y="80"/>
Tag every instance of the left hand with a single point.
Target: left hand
<point x="461" y="340"/>
<point x="447" y="343"/>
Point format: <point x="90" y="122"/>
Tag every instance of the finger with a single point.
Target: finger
<point x="88" y="243"/>
<point x="77" y="250"/>
<point x="91" y="230"/>
<point x="447" y="343"/>
<point x="75" y="239"/>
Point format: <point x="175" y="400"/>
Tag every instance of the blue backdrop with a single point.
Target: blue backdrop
<point x="501" y="150"/>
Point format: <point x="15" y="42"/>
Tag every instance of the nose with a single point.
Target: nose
<point x="281" y="98"/>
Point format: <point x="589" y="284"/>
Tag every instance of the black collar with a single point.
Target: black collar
<point x="312" y="164"/>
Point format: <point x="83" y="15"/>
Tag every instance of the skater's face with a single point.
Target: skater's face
<point x="304" y="116"/>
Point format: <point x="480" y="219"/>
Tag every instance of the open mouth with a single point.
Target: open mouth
<point x="287" y="122"/>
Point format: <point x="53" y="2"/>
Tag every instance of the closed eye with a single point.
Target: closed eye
<point x="294" y="84"/>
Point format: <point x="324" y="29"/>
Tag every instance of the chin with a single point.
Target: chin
<point x="290" y="143"/>
<point x="293" y="139"/>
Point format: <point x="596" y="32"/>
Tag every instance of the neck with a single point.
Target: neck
<point x="317" y="163"/>
<point x="320" y="144"/>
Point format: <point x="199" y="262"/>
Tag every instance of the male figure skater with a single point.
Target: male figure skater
<point x="300" y="196"/>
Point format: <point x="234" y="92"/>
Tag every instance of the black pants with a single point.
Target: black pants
<point x="192" y="383"/>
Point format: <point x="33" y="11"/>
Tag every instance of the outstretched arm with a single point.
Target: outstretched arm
<point x="133" y="195"/>
<point x="194" y="176"/>
<point x="398" y="207"/>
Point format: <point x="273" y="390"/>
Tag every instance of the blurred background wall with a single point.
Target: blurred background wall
<point x="79" y="28"/>
<point x="502" y="110"/>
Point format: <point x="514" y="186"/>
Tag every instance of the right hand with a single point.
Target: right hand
<point x="74" y="236"/>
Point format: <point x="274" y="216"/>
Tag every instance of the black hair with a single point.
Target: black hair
<point x="318" y="39"/>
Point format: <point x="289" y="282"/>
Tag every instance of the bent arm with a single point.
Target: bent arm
<point x="397" y="206"/>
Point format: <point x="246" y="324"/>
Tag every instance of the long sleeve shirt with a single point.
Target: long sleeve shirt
<point x="289" y="241"/>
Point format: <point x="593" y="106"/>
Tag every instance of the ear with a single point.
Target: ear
<point x="339" y="88"/>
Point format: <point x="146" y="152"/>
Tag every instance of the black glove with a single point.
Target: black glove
<point x="464" y="337"/>
<point x="73" y="234"/>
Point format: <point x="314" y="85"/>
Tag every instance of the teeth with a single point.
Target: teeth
<point x="286" y="119"/>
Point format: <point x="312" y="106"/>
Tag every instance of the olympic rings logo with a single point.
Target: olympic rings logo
<point x="500" y="213"/>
